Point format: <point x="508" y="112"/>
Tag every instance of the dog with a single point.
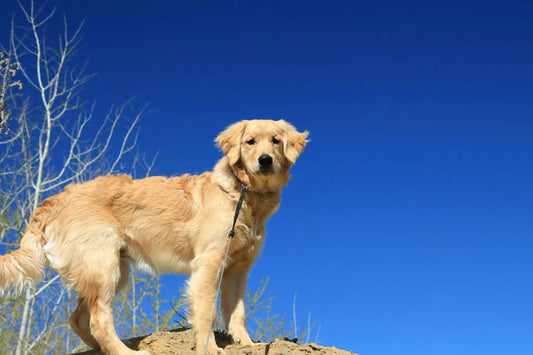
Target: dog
<point x="92" y="231"/>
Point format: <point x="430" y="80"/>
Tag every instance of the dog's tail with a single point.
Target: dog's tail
<point x="24" y="266"/>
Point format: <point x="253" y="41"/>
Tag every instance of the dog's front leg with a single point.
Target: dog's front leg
<point x="232" y="301"/>
<point x="202" y="288"/>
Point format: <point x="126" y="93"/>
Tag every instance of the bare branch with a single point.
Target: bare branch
<point x="124" y="149"/>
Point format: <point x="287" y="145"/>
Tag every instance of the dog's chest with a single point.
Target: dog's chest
<point x="249" y="240"/>
<point x="250" y="229"/>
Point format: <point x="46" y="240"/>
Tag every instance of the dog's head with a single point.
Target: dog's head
<point x="261" y="152"/>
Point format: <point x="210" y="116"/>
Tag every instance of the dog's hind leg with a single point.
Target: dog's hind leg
<point x="80" y="319"/>
<point x="98" y="278"/>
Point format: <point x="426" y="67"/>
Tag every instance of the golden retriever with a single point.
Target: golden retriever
<point x="91" y="231"/>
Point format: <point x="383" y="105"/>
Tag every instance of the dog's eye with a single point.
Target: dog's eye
<point x="275" y="140"/>
<point x="250" y="141"/>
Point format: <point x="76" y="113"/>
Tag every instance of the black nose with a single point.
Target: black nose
<point x="265" y="161"/>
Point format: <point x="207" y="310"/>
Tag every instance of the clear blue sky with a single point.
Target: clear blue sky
<point x="408" y="225"/>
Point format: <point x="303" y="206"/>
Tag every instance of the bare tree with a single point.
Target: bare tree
<point x="54" y="139"/>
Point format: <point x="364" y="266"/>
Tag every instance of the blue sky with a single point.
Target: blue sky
<point x="407" y="225"/>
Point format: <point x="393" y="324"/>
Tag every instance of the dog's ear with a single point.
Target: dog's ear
<point x="293" y="141"/>
<point x="229" y="141"/>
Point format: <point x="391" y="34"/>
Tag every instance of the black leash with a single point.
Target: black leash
<point x="244" y="188"/>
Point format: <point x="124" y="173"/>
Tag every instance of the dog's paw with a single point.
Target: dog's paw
<point x="211" y="350"/>
<point x="241" y="337"/>
<point x="243" y="341"/>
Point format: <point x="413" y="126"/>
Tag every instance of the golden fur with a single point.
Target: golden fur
<point x="90" y="232"/>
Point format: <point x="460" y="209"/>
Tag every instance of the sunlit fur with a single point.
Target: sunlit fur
<point x="91" y="231"/>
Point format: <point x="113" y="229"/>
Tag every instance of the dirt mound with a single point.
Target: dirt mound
<point x="181" y="341"/>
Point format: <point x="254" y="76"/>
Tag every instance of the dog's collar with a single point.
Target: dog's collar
<point x="243" y="185"/>
<point x="235" y="172"/>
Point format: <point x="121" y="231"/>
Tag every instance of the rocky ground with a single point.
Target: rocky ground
<point x="181" y="341"/>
